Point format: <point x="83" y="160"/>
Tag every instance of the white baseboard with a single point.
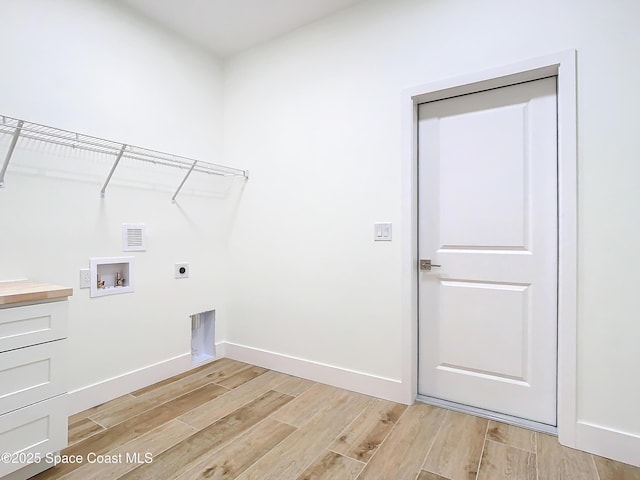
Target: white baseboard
<point x="360" y="382"/>
<point x="603" y="441"/>
<point x="606" y="442"/>
<point x="101" y="392"/>
<point x="221" y="349"/>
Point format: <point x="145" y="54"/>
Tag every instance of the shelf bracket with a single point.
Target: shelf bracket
<point x="12" y="146"/>
<point x="113" y="169"/>
<point x="173" y="199"/>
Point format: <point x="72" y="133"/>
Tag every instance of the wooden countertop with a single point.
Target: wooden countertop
<point x="28" y="291"/>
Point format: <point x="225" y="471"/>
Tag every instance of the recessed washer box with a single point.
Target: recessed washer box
<point x="112" y="275"/>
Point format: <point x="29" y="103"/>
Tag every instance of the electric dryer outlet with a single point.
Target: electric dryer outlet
<point x="182" y="270"/>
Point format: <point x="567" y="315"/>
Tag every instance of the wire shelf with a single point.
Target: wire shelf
<point x="34" y="131"/>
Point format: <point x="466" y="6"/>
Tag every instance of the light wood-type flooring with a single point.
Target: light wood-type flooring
<point x="230" y="420"/>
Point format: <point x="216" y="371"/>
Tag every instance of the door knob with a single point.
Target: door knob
<point x="425" y="265"/>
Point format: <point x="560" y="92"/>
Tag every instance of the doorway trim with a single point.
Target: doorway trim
<point x="562" y="65"/>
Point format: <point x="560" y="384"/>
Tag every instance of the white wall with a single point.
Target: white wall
<point x="316" y="117"/>
<point x="95" y="68"/>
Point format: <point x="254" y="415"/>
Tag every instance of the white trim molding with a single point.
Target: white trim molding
<point x="563" y="66"/>
<point x="360" y="382"/>
<point x="607" y="442"/>
<point x="101" y="392"/>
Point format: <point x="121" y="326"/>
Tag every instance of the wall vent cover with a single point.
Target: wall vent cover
<point x="134" y="237"/>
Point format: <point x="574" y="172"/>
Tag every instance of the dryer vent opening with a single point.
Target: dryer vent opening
<point x="203" y="337"/>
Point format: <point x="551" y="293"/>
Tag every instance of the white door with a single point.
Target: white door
<point x="488" y="216"/>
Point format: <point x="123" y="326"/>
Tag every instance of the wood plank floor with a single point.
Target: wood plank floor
<point x="230" y="420"/>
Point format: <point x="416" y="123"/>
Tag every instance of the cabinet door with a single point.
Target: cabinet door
<point x="32" y="324"/>
<point x="29" y="375"/>
<point x="33" y="431"/>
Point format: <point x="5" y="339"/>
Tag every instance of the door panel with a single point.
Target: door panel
<point x="469" y="217"/>
<point x="471" y="307"/>
<point x="488" y="215"/>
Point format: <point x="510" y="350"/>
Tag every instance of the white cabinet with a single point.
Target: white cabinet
<point x="31" y="374"/>
<point x="33" y="417"/>
<point x="32" y="324"/>
<point x="33" y="431"/>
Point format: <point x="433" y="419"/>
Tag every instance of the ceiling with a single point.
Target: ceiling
<point x="225" y="27"/>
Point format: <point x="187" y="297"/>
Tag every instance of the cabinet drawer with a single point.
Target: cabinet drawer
<point x="40" y="428"/>
<point x="29" y="375"/>
<point x="31" y="324"/>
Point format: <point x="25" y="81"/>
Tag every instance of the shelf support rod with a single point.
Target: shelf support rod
<point x="173" y="199"/>
<point x="12" y="146"/>
<point x="113" y="169"/>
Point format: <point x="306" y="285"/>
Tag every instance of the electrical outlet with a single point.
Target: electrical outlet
<point x="182" y="270"/>
<point x="85" y="278"/>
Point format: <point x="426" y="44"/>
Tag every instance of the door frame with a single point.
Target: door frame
<point x="562" y="65"/>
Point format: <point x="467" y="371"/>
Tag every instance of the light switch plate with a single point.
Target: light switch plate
<point x="382" y="232"/>
<point x="85" y="278"/>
